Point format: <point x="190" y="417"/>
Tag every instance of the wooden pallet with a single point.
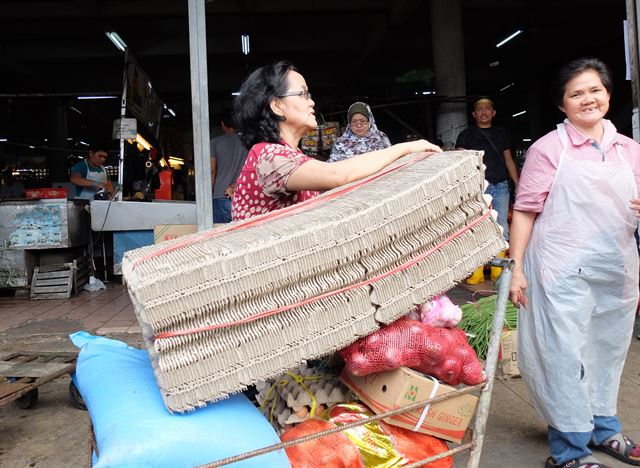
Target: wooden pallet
<point x="22" y="373"/>
<point x="59" y="280"/>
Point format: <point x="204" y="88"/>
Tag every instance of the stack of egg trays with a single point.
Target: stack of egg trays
<point x="223" y="276"/>
<point x="327" y="390"/>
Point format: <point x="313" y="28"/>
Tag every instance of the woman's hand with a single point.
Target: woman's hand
<point x="518" y="288"/>
<point x="635" y="206"/>
<point x="422" y="146"/>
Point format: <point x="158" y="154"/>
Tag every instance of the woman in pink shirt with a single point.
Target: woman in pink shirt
<point x="576" y="270"/>
<point x="273" y="112"/>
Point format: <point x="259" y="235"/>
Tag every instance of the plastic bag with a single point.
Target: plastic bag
<point x="374" y="444"/>
<point x="94" y="284"/>
<point x="133" y="428"/>
<point x="439" y="312"/>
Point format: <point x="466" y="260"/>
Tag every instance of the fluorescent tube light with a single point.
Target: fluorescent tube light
<point x="519" y="113"/>
<point x="235" y="93"/>
<point x="75" y="110"/>
<point x="507" y="87"/>
<point x="504" y="41"/>
<point x="3" y="139"/>
<point x="97" y="97"/>
<point x="117" y="40"/>
<point x="526" y="139"/>
<point x="245" y="44"/>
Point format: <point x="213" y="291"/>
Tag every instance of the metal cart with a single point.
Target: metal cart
<point x="475" y="437"/>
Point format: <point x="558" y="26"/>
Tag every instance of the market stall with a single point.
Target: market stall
<point x="40" y="231"/>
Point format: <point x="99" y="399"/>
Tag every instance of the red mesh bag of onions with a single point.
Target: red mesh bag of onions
<point x="443" y="353"/>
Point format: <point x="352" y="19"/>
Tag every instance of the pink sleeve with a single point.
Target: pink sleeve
<point x="631" y="152"/>
<point x="275" y="165"/>
<point x="536" y="178"/>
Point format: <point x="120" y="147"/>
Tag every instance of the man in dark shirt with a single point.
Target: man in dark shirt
<point x="496" y="144"/>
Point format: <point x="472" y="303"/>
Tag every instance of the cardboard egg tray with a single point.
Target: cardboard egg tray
<point x="289" y="396"/>
<point x="223" y="309"/>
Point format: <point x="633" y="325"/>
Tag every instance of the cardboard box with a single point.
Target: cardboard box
<point x="508" y="356"/>
<point x="163" y="232"/>
<point x="385" y="391"/>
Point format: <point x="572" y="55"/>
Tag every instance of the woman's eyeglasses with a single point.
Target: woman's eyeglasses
<point x="305" y="94"/>
<point x="359" y="123"/>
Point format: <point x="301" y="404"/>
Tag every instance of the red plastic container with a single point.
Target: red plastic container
<point x="46" y="193"/>
<point x="163" y="193"/>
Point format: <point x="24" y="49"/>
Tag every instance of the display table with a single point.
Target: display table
<point x="132" y="223"/>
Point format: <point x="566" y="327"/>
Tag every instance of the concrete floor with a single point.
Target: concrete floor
<point x="55" y="434"/>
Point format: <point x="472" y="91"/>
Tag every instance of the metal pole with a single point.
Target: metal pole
<point x="482" y="413"/>
<point x="200" y="105"/>
<point x="123" y="111"/>
<point x="632" y="35"/>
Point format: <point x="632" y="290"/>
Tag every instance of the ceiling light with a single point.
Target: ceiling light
<point x="235" y="93"/>
<point x="142" y="142"/>
<point x="526" y="139"/>
<point x="245" y="44"/>
<point x="117" y="40"/>
<point x="3" y="139"/>
<point x="75" y="110"/>
<point x="504" y="41"/>
<point x="494" y="64"/>
<point x="519" y="113"/>
<point x="507" y="87"/>
<point x="97" y="97"/>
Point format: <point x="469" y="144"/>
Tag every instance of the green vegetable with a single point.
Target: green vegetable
<point x="477" y="318"/>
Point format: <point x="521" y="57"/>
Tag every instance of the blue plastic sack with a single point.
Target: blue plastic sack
<point x="132" y="427"/>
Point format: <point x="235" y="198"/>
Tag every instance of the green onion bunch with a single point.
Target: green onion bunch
<point x="477" y="318"/>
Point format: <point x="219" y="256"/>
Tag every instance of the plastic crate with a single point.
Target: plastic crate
<point x="46" y="193"/>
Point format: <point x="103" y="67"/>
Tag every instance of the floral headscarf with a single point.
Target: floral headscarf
<point x="349" y="144"/>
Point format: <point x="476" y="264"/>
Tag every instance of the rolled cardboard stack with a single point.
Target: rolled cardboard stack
<point x="266" y="294"/>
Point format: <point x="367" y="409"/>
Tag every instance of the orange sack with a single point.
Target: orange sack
<point x="373" y="444"/>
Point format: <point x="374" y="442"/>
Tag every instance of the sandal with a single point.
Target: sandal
<point x="622" y="448"/>
<point x="583" y="462"/>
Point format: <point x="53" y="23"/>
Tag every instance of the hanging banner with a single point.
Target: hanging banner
<point x="142" y="100"/>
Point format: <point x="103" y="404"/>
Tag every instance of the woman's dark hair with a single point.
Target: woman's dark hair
<point x="255" y="121"/>
<point x="571" y="69"/>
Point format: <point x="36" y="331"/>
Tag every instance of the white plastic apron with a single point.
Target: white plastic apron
<point x="87" y="193"/>
<point x="581" y="265"/>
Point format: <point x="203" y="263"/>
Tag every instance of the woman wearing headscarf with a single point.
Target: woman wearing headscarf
<point x="362" y="134"/>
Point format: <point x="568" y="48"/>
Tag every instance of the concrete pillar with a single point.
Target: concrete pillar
<point x="449" y="68"/>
